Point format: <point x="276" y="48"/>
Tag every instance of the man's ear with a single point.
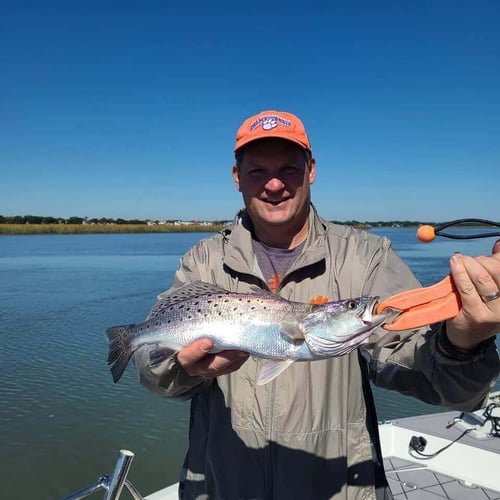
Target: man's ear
<point x="236" y="177"/>
<point x="312" y="171"/>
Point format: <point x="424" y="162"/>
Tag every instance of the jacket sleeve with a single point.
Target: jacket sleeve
<point x="169" y="379"/>
<point x="423" y="363"/>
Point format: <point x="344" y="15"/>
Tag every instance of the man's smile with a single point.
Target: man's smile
<point x="274" y="202"/>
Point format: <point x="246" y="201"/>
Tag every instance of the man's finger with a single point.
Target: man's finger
<point x="194" y="352"/>
<point x="462" y="280"/>
<point x="474" y="278"/>
<point x="496" y="247"/>
<point x="492" y="266"/>
<point x="222" y="365"/>
<point x="223" y="361"/>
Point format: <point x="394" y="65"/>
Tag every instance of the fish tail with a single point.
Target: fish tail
<point x="119" y="349"/>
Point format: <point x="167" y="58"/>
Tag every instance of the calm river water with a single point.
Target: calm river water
<point x="62" y="420"/>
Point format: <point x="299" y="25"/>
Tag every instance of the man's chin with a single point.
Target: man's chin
<point x="274" y="219"/>
<point x="274" y="215"/>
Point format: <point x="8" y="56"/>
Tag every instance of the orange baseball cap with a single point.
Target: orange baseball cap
<point x="266" y="124"/>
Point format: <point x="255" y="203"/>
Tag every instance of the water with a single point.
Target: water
<point x="62" y="420"/>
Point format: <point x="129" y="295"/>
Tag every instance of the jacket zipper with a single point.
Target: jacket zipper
<point x="268" y="450"/>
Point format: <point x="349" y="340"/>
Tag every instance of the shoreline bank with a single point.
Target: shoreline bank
<point x="27" y="229"/>
<point x="20" y="229"/>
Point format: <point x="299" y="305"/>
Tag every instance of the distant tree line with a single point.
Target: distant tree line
<point x="385" y="223"/>
<point x="36" y="219"/>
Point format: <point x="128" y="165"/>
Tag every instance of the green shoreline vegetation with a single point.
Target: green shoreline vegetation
<point x="30" y="224"/>
<point x="105" y="228"/>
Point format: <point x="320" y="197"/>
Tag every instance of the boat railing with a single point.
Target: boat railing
<point x="113" y="485"/>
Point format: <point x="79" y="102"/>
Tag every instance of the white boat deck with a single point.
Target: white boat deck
<point x="408" y="482"/>
<point x="469" y="469"/>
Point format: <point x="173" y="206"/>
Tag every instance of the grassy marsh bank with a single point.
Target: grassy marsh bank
<point x="105" y="228"/>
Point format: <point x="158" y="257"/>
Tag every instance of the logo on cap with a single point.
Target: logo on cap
<point x="269" y="122"/>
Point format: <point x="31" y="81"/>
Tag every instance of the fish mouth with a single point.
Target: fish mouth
<point x="372" y="319"/>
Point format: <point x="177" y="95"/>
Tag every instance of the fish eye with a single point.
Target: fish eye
<point x="351" y="304"/>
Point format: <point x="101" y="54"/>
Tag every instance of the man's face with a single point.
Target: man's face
<point x="274" y="179"/>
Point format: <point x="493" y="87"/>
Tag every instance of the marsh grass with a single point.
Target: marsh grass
<point x="104" y="228"/>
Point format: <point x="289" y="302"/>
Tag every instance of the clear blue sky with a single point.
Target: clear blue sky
<point x="130" y="108"/>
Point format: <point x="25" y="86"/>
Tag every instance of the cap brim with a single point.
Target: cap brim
<point x="276" y="135"/>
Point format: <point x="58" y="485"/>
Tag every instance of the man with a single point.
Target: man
<point x="311" y="433"/>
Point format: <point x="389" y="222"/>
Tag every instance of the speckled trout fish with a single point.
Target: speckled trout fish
<point x="262" y="324"/>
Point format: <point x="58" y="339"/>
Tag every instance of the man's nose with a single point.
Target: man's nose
<point x="274" y="184"/>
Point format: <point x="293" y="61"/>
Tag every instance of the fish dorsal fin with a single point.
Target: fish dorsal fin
<point x="271" y="368"/>
<point x="190" y="290"/>
<point x="185" y="292"/>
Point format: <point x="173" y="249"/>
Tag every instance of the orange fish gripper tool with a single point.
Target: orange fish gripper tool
<point x="422" y="306"/>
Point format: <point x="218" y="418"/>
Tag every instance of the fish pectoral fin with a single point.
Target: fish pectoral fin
<point x="292" y="332"/>
<point x="159" y="354"/>
<point x="271" y="368"/>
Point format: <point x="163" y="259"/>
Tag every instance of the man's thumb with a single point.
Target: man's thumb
<point x="496" y="247"/>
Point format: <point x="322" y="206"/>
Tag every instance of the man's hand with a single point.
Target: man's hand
<point x="197" y="360"/>
<point x="475" y="277"/>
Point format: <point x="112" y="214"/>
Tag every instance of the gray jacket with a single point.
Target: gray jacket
<point x="312" y="432"/>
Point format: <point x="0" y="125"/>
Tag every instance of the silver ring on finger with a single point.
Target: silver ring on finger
<point x="493" y="296"/>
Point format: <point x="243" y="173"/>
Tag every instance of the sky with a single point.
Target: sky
<point x="130" y="108"/>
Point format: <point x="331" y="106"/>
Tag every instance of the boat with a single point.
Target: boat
<point x="452" y="455"/>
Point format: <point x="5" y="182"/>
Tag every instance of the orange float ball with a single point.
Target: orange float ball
<point x="426" y="234"/>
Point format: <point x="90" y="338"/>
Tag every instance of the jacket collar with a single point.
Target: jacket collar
<point x="239" y="254"/>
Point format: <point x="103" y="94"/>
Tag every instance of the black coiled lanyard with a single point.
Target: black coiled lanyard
<point x="428" y="233"/>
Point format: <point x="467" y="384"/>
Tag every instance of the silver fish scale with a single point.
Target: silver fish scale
<point x="226" y="306"/>
<point x="254" y="324"/>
